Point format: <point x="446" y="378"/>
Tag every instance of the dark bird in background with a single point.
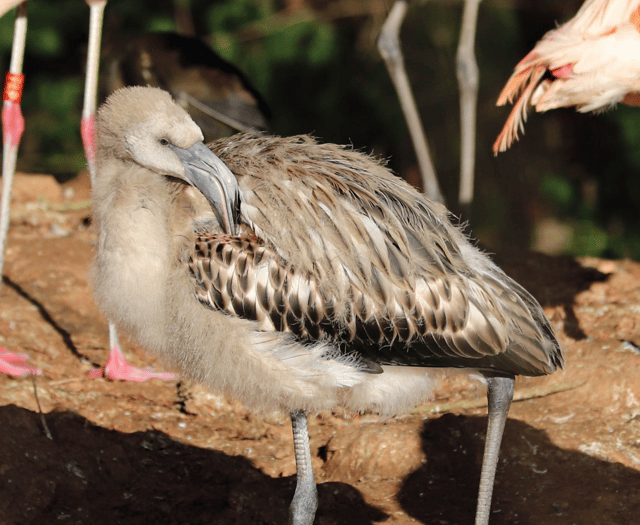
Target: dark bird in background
<point x="214" y="92"/>
<point x="301" y="276"/>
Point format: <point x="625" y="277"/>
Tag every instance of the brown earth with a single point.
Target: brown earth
<point x="173" y="453"/>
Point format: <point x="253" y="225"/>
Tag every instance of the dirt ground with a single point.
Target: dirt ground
<point x="173" y="453"/>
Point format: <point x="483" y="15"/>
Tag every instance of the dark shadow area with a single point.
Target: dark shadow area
<point x="552" y="280"/>
<point x="88" y="474"/>
<point x="536" y="483"/>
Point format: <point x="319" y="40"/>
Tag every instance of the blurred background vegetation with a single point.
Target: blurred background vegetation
<point x="570" y="185"/>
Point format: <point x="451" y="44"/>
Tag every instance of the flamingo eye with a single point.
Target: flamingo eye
<point x="163" y="142"/>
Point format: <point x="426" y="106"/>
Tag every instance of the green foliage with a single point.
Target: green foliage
<point x="229" y="16"/>
<point x="559" y="191"/>
<point x="589" y="239"/>
<point x="59" y="95"/>
<point x="628" y="120"/>
<point x="278" y="41"/>
<point x="6" y="32"/>
<point x="56" y="126"/>
<point x="45" y="42"/>
<point x="159" y="24"/>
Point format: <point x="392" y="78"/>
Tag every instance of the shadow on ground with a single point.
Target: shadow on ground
<point x="88" y="474"/>
<point x="536" y="483"/>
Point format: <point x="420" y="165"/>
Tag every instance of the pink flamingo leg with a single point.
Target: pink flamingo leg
<point x="12" y="128"/>
<point x="88" y="132"/>
<point x="12" y="119"/>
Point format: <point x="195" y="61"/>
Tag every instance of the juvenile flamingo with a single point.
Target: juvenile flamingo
<point x="316" y="278"/>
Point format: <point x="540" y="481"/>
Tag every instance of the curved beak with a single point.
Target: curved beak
<point x="205" y="171"/>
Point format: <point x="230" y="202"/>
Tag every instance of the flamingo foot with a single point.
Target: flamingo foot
<point x="117" y="368"/>
<point x="14" y="364"/>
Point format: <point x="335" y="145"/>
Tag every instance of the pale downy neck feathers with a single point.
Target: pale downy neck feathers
<point x="138" y="194"/>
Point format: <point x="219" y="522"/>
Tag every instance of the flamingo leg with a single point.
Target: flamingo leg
<point x="468" y="80"/>
<point x="12" y="128"/>
<point x="389" y="47"/>
<point x="305" y="500"/>
<point x="116" y="366"/>
<point x="499" y="395"/>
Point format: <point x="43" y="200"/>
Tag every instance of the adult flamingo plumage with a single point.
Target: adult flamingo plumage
<point x="591" y="62"/>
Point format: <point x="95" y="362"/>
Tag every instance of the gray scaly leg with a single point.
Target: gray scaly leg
<point x="305" y="500"/>
<point x="499" y="395"/>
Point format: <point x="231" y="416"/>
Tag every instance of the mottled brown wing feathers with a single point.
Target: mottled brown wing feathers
<point x="244" y="277"/>
<point x="337" y="248"/>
